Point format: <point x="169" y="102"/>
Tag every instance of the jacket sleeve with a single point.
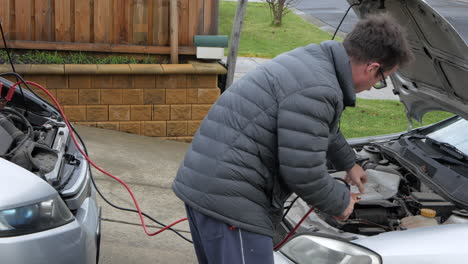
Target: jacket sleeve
<point x="303" y="134"/>
<point x="340" y="153"/>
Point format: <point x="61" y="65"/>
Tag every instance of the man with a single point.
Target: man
<point x="271" y="134"/>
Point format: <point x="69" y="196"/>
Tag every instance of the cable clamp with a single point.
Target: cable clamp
<point x="11" y="92"/>
<point x="9" y="96"/>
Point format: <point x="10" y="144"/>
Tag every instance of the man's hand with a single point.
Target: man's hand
<point x="356" y="176"/>
<point x="355" y="197"/>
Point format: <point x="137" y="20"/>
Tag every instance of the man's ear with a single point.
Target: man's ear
<point x="373" y="68"/>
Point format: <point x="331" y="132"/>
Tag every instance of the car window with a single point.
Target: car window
<point x="454" y="134"/>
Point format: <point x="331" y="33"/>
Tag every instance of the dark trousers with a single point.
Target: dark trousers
<point x="217" y="243"/>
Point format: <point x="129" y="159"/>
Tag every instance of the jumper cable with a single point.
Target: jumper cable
<point x="142" y="220"/>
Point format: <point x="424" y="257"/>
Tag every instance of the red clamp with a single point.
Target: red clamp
<point x="11" y="92"/>
<point x="9" y="96"/>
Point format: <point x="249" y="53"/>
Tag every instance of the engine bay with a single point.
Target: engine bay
<point x="396" y="199"/>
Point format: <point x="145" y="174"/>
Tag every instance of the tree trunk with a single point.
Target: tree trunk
<point x="278" y="14"/>
<point x="277" y="21"/>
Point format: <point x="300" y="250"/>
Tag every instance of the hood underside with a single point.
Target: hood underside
<point x="438" y="78"/>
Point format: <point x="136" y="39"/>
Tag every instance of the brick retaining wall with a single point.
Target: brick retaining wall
<point x="166" y="101"/>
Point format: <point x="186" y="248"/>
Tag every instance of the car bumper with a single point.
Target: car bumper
<point x="75" y="242"/>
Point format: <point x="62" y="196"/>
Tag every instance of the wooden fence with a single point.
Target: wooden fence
<point x="133" y="26"/>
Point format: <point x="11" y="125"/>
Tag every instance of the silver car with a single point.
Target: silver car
<point x="415" y="209"/>
<point x="48" y="209"/>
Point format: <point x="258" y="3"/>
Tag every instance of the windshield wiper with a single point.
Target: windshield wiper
<point x="447" y="148"/>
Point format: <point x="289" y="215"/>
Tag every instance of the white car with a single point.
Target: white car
<point x="48" y="209"/>
<point x="415" y="209"/>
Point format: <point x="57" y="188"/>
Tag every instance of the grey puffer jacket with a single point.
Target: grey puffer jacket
<point x="271" y="134"/>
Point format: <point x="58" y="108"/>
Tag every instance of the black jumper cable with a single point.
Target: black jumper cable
<point x="57" y="106"/>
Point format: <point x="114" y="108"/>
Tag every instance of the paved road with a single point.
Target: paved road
<point x="330" y="13"/>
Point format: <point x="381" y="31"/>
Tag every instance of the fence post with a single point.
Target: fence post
<point x="174" y="32"/>
<point x="235" y="38"/>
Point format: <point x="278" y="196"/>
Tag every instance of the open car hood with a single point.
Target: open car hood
<point x="438" y="79"/>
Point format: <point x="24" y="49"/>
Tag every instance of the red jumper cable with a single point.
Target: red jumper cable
<point x="277" y="247"/>
<point x="9" y="97"/>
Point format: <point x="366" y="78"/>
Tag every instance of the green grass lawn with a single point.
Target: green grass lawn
<point x="260" y="39"/>
<point x="377" y="117"/>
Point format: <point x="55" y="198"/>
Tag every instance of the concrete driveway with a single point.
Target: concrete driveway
<point x="148" y="165"/>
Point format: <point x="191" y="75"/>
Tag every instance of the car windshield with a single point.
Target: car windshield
<point x="454" y="134"/>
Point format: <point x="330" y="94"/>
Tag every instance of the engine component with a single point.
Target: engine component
<point x="433" y="201"/>
<point x="9" y="133"/>
<point x="461" y="213"/>
<point x="426" y="218"/>
<point x="19" y="145"/>
<point x="384" y="162"/>
<point x="377" y="211"/>
<point x="375" y="215"/>
<point x="427" y="197"/>
<point x="35" y="157"/>
<point x="380" y="185"/>
<point x="6" y="141"/>
<point x="371" y="153"/>
<point x="443" y="209"/>
<point x="458" y="217"/>
<point x="371" y="149"/>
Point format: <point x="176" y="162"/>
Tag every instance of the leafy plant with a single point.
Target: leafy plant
<point x="79" y="58"/>
<point x="55" y="57"/>
<point x="149" y="60"/>
<point x="38" y="57"/>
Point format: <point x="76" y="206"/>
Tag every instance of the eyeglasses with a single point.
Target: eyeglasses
<point x="382" y="83"/>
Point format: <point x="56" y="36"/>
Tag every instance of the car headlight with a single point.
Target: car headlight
<point x="34" y="218"/>
<point x="324" y="250"/>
